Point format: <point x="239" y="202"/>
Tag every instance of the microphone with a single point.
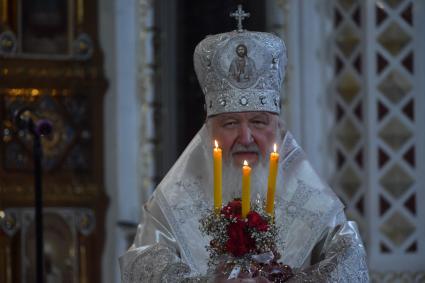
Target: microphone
<point x="25" y="119"/>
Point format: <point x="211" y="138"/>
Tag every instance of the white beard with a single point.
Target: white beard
<point x="232" y="181"/>
<point x="232" y="175"/>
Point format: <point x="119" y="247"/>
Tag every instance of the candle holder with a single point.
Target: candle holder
<point x="243" y="246"/>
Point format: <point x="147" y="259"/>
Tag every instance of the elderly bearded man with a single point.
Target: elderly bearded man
<point x="316" y="239"/>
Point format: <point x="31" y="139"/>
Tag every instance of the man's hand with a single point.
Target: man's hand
<point x="241" y="279"/>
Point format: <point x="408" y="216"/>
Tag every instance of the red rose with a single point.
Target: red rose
<point x="233" y="209"/>
<point x="239" y="242"/>
<point x="236" y="230"/>
<point x="263" y="227"/>
<point x="257" y="222"/>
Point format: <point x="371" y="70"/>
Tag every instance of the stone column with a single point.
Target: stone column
<point x="146" y="93"/>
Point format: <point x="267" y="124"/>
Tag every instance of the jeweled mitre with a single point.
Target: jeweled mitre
<point x="241" y="71"/>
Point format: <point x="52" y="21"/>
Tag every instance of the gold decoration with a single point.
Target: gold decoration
<point x="80" y="12"/>
<point x="54" y="191"/>
<point x="397" y="228"/>
<point x="393" y="3"/>
<point x="8" y="265"/>
<point x="395" y="86"/>
<point x="347" y="40"/>
<point x="348" y="87"/>
<point x="396" y="181"/>
<point x="395" y="133"/>
<point x="74" y="72"/>
<point x="348" y="135"/>
<point x="394" y="39"/>
<point x="31" y="92"/>
<point x="4" y="11"/>
<point x="346" y="4"/>
<point x="83" y="264"/>
<point x="27" y="79"/>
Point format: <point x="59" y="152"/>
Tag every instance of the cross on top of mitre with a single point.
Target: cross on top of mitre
<point x="239" y="15"/>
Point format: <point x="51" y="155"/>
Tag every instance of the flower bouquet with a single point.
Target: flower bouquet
<point x="244" y="246"/>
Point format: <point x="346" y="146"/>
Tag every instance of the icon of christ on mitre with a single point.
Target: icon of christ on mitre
<point x="233" y="208"/>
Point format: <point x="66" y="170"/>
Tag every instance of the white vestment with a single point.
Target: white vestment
<point x="316" y="239"/>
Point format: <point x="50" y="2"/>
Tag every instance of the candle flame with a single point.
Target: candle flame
<point x="275" y="147"/>
<point x="216" y="143"/>
<point x="245" y="163"/>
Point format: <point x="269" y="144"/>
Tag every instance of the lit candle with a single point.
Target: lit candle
<point x="246" y="183"/>
<point x="271" y="186"/>
<point x="217" y="177"/>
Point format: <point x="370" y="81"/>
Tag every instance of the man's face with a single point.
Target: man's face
<point x="245" y="136"/>
<point x="241" y="51"/>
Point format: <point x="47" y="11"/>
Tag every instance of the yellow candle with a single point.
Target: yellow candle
<point x="271" y="186"/>
<point x="217" y="178"/>
<point x="246" y="183"/>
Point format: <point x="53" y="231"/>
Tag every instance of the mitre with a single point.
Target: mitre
<point x="241" y="71"/>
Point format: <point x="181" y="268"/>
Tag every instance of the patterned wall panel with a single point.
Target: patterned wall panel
<point x="348" y="105"/>
<point x="375" y="98"/>
<point x="397" y="142"/>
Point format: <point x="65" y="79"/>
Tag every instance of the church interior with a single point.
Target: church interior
<point x="116" y="83"/>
